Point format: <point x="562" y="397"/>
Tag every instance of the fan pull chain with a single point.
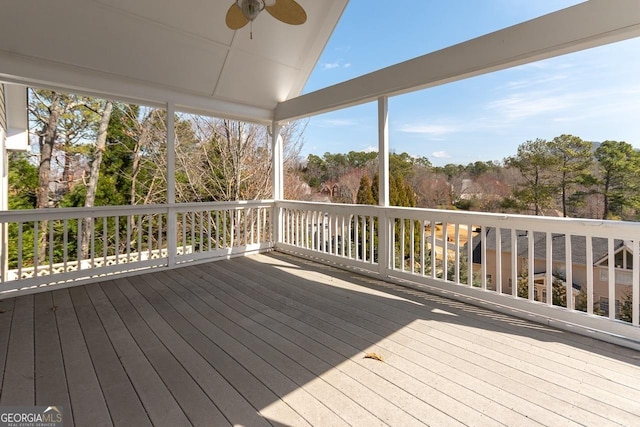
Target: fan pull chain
<point x="250" y="30"/>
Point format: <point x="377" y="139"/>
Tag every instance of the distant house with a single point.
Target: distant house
<point x="623" y="262"/>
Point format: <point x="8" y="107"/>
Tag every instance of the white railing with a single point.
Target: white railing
<point x="574" y="272"/>
<point x="548" y="266"/>
<point x="46" y="247"/>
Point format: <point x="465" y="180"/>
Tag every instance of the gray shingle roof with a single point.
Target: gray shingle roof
<point x="578" y="245"/>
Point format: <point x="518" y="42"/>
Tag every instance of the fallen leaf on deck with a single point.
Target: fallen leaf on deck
<point x="375" y="356"/>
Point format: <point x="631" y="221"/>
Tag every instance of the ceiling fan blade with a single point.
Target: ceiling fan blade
<point x="235" y="18"/>
<point x="288" y="11"/>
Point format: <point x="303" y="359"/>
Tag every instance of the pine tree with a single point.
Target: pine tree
<point x="365" y="195"/>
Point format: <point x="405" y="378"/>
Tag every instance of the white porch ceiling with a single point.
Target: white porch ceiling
<point x="156" y="51"/>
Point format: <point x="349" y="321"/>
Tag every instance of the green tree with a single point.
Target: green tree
<point x="23" y="182"/>
<point x="559" y="289"/>
<point x="574" y="162"/>
<point x="365" y="195"/>
<point x="536" y="163"/>
<point x="626" y="308"/>
<point x="23" y="187"/>
<point x="619" y="165"/>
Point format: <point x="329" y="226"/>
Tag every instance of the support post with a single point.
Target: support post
<point x="384" y="230"/>
<point x="172" y="220"/>
<point x="4" y="194"/>
<point x="278" y="180"/>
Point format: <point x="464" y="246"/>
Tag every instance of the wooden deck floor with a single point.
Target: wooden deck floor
<point x="275" y="340"/>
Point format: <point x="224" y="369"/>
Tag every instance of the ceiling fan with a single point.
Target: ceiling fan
<point x="243" y="12"/>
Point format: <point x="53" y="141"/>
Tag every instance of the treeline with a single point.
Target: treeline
<point x="565" y="176"/>
<point x="93" y="152"/>
<point x="89" y="152"/>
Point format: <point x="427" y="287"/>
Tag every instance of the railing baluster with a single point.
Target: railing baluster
<point x="224" y="229"/>
<point x="445" y="250"/>
<point x="589" y="256"/>
<point x="105" y="238"/>
<point x="36" y="236"/>
<point x="159" y="244"/>
<point x="635" y="287"/>
<point x="20" y="237"/>
<point x="549" y="267"/>
<point x="363" y="237"/>
<point x="139" y="237"/>
<point x="568" y="257"/>
<point x="92" y="239"/>
<point x="514" y="262"/>
<point x="209" y="230"/>
<point x="341" y="240"/>
<point x="531" y="266"/>
<point x="193" y="232"/>
<point x="150" y="235"/>
<point x="423" y="249"/>
<point x="412" y="256"/>
<point x="116" y="237"/>
<point x="329" y="232"/>
<point x="371" y="240"/>
<point x="128" y="239"/>
<point x="238" y="226"/>
<point x="470" y="240"/>
<point x="65" y="244"/>
<point x="217" y="229"/>
<point x="612" y="278"/>
<point x="402" y="254"/>
<point x="252" y="222"/>
<point x="498" y="278"/>
<point x="51" y="246"/>
<point x="483" y="249"/>
<point x="392" y="221"/>
<point x="434" y="250"/>
<point x="356" y="231"/>
<point x="201" y="224"/>
<point x="457" y="252"/>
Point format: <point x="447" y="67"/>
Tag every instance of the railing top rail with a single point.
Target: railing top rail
<point x="223" y="205"/>
<point x="74" y="213"/>
<point x="578" y="226"/>
<point x="26" y="215"/>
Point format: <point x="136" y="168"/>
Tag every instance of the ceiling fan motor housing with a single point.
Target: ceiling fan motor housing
<point x="251" y="8"/>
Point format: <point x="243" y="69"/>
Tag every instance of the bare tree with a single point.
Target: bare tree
<point x="100" y="146"/>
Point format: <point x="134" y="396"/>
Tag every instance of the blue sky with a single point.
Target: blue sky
<point x="593" y="94"/>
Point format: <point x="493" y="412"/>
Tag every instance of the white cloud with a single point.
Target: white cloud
<point x="441" y="155"/>
<point x="524" y="105"/>
<point x="330" y="66"/>
<point x="543" y="80"/>
<point x="371" y="149"/>
<point x="328" y="123"/>
<point x="432" y="130"/>
<point x="336" y="64"/>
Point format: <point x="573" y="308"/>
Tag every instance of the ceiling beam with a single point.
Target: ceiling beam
<point x="55" y="76"/>
<point x="586" y="25"/>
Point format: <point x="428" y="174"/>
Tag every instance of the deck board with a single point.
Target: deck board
<point x="276" y="340"/>
<point x="156" y="398"/>
<point x="50" y="380"/>
<point x="122" y="400"/>
<point x="88" y="406"/>
<point x="18" y="381"/>
<point x="6" y="317"/>
<point x="195" y="403"/>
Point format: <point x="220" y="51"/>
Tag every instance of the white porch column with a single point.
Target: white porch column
<point x="172" y="223"/>
<point x="278" y="179"/>
<point x="384" y="232"/>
